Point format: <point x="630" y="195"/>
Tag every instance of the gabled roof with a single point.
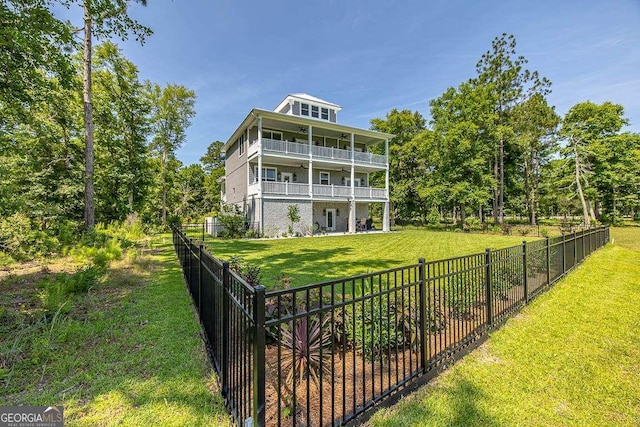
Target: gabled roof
<point x="309" y="98"/>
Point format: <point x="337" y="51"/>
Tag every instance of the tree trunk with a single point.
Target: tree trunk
<point x="585" y="211"/>
<point x="89" y="209"/>
<point x="501" y="189"/>
<point x="463" y="214"/>
<point x="495" y="190"/>
<point x="164" y="186"/>
<point x="592" y="214"/>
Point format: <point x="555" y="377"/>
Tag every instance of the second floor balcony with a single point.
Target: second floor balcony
<point x="319" y="191"/>
<point x="326" y="153"/>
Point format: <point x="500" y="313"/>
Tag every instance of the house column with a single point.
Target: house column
<point x="352" y="203"/>
<point x="260" y="202"/>
<point x="309" y="131"/>
<point x="385" y="214"/>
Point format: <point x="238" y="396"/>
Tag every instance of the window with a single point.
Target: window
<point x="325" y="114"/>
<point x="272" y="134"/>
<point x="315" y="111"/>
<point x="304" y="109"/>
<point x="324" y="178"/>
<point x="268" y="174"/>
<point x="241" y="142"/>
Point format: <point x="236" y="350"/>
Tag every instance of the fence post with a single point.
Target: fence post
<point x="200" y="281"/>
<point x="203" y="230"/>
<point x="583" y="246"/>
<point x="564" y="262"/>
<point x="225" y="328"/>
<point x="259" y="343"/>
<point x="487" y="266"/>
<point x="575" y="248"/>
<point x="548" y="261"/>
<point x="423" y="317"/>
<point x="190" y="261"/>
<point x="524" y="268"/>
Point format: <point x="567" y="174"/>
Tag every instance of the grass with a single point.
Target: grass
<point x="128" y="352"/>
<point x="571" y="358"/>
<point x="316" y="259"/>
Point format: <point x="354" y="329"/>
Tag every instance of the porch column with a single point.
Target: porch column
<point x="309" y="131"/>
<point x="385" y="216"/>
<point x="260" y="202"/>
<point x="352" y="204"/>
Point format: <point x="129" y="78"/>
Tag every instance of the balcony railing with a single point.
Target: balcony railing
<point x="319" y="190"/>
<point x="296" y="148"/>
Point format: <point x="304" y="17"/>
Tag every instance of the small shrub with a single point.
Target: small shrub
<point x="433" y="218"/>
<point x="251" y="274"/>
<point x="252" y="234"/>
<point x="58" y="290"/>
<point x="544" y="232"/>
<point x="370" y="326"/>
<point x="20" y="239"/>
<point x="462" y="294"/>
<point x="472" y="224"/>
<point x="232" y="220"/>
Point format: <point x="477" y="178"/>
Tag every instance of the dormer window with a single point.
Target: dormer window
<point x="304" y="105"/>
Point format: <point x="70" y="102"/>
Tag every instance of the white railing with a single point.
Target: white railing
<point x="286" y="188"/>
<point x="331" y="153"/>
<point x="288" y="147"/>
<point x="370" y="193"/>
<point x="370" y="158"/>
<point x="319" y="190"/>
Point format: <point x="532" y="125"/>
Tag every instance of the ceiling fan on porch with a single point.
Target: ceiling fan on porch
<point x="302" y="129"/>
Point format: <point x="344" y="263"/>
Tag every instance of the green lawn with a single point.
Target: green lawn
<point x="316" y="259"/>
<point x="571" y="358"/>
<point x="128" y="353"/>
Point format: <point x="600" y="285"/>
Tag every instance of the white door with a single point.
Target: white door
<point x="331" y="220"/>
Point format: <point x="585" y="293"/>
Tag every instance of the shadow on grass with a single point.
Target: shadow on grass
<point x="460" y="405"/>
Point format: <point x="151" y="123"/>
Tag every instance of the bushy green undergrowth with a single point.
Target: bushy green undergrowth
<point x="22" y="239"/>
<point x="123" y="347"/>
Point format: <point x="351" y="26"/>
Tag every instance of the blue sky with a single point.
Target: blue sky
<point x="372" y="56"/>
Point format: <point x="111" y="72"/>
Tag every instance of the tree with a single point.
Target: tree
<point x="584" y="126"/>
<point x="34" y="46"/>
<point x="462" y="118"/>
<point x="173" y="108"/>
<point x="190" y="185"/>
<point x="122" y="126"/>
<point x="213" y="165"/>
<point x="103" y="18"/>
<point x="534" y="123"/>
<point x="405" y="125"/>
<point x="293" y="213"/>
<point x="502" y="72"/>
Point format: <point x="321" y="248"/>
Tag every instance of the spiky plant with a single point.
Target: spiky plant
<point x="306" y="350"/>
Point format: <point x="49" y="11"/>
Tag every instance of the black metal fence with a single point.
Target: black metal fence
<point x="325" y="354"/>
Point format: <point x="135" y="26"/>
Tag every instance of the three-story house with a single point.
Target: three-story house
<point x="298" y="154"/>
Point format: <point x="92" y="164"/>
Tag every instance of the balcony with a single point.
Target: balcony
<point x="319" y="191"/>
<point x="327" y="153"/>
